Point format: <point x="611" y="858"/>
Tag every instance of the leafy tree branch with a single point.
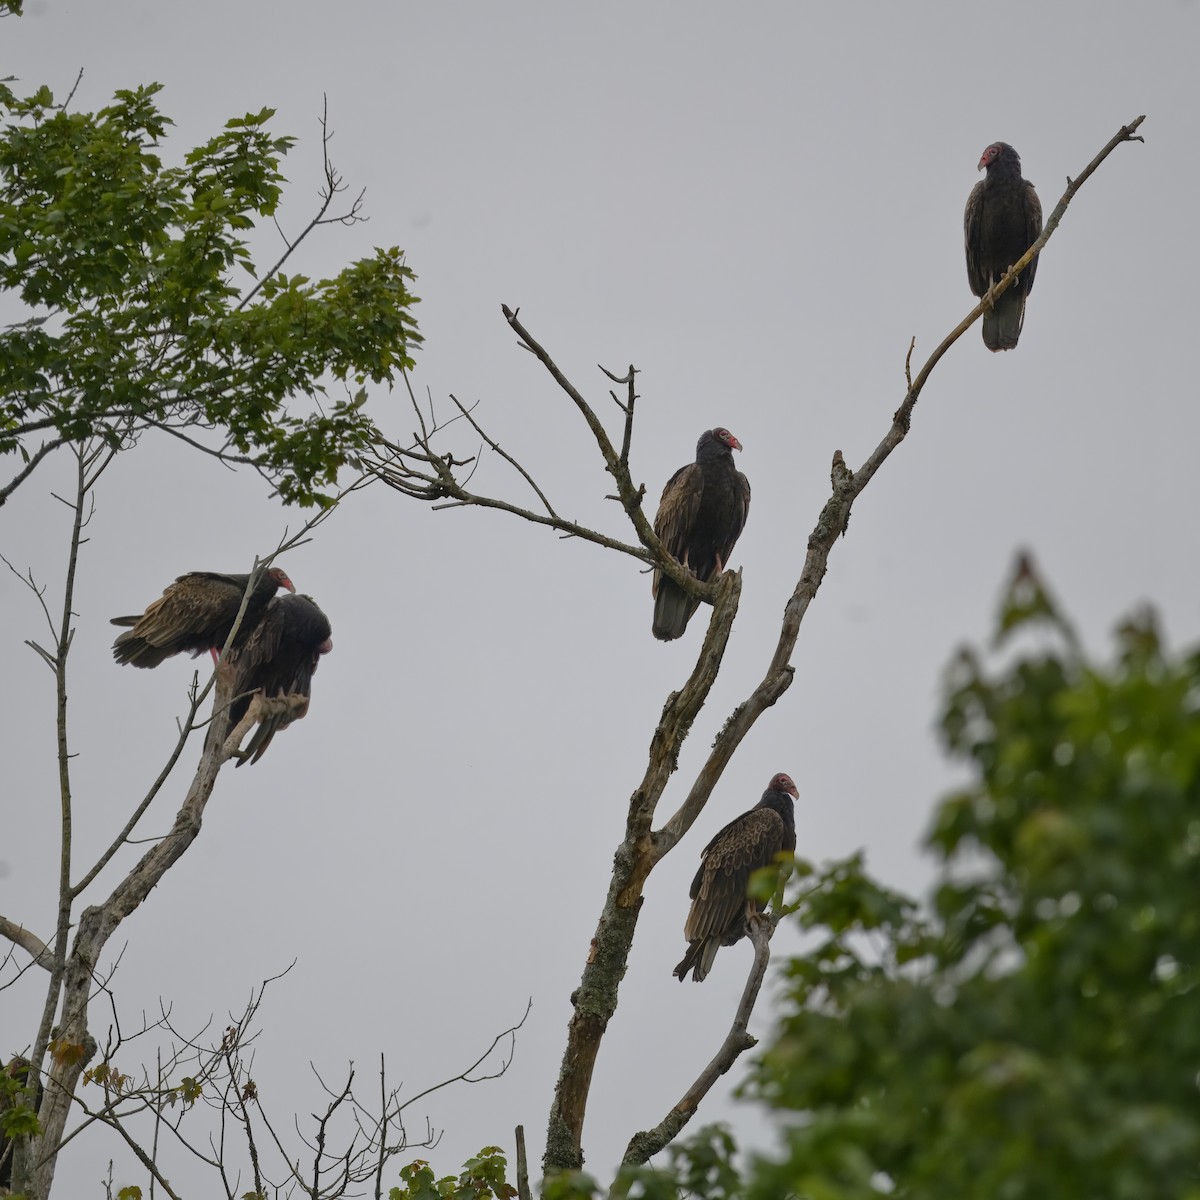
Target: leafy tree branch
<point x="135" y="322"/>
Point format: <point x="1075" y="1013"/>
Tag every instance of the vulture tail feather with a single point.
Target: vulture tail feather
<point x="673" y="608"/>
<point x="135" y="651"/>
<point x="1002" y="324"/>
<point x="698" y="959"/>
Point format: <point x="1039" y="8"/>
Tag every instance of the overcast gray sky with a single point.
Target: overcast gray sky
<point x="758" y="205"/>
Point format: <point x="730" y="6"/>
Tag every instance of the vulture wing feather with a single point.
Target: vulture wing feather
<point x="677" y="510"/>
<point x="719" y="889"/>
<point x="278" y="660"/>
<point x="194" y="614"/>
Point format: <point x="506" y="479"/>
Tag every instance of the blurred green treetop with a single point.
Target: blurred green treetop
<point x="1037" y="1034"/>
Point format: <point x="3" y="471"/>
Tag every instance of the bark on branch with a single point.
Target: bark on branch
<point x="64" y="1046"/>
<point x="643" y="1146"/>
<point x="596" y="999"/>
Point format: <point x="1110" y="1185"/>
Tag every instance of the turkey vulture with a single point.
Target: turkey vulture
<point x="720" y="907"/>
<point x="18" y="1069"/>
<point x="195" y="614"/>
<point x="1003" y="219"/>
<point x="278" y="659"/>
<point x="700" y="516"/>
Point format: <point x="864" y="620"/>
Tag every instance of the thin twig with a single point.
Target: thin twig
<point x="643" y="1146"/>
<point x="34" y="459"/>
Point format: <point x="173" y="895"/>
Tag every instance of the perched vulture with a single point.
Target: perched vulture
<point x="1003" y="219"/>
<point x="195" y="614"/>
<point x="720" y="907"/>
<point x="278" y="659"/>
<point x="700" y="516"/>
<point x="18" y="1069"/>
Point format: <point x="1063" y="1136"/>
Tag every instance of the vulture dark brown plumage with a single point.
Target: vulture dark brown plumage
<point x="720" y="907"/>
<point x="195" y="613"/>
<point x="700" y="517"/>
<point x="1003" y="219"/>
<point x="278" y="659"/>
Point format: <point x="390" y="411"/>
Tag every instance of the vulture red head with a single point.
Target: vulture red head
<point x="783" y="783"/>
<point x="723" y="435"/>
<point x="279" y="575"/>
<point x="995" y="152"/>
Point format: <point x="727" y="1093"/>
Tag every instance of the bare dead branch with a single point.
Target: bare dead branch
<point x="420" y="472"/>
<point x="643" y="1146"/>
<point x="28" y="941"/>
<point x="466" y="1076"/>
<point x="34" y="459"/>
<point x="334" y="185"/>
<point x="40" y="594"/>
<point x="141" y="1155"/>
<point x="595" y="1000"/>
<point x="523" y="1192"/>
<point x="508" y="458"/>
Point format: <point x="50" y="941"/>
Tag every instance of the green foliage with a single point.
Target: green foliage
<point x="129" y="271"/>
<point x="18" y="1101"/>
<point x="482" y="1178"/>
<point x="1035" y="1034"/>
<point x="700" y="1166"/>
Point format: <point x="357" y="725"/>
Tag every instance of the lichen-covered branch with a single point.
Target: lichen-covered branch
<point x="596" y="999"/>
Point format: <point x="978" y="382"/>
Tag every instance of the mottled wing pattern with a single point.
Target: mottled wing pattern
<point x="678" y="508"/>
<point x="183" y="618"/>
<point x="719" y="890"/>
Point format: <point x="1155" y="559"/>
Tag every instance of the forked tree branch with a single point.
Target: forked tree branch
<point x="73" y="969"/>
<point x="595" y="1000"/>
<point x="420" y="472"/>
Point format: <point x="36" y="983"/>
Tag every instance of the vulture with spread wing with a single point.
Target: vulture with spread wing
<point x="1003" y="219"/>
<point x="720" y="907"/>
<point x="700" y="517"/>
<point x="278" y="660"/>
<point x="195" y="614"/>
